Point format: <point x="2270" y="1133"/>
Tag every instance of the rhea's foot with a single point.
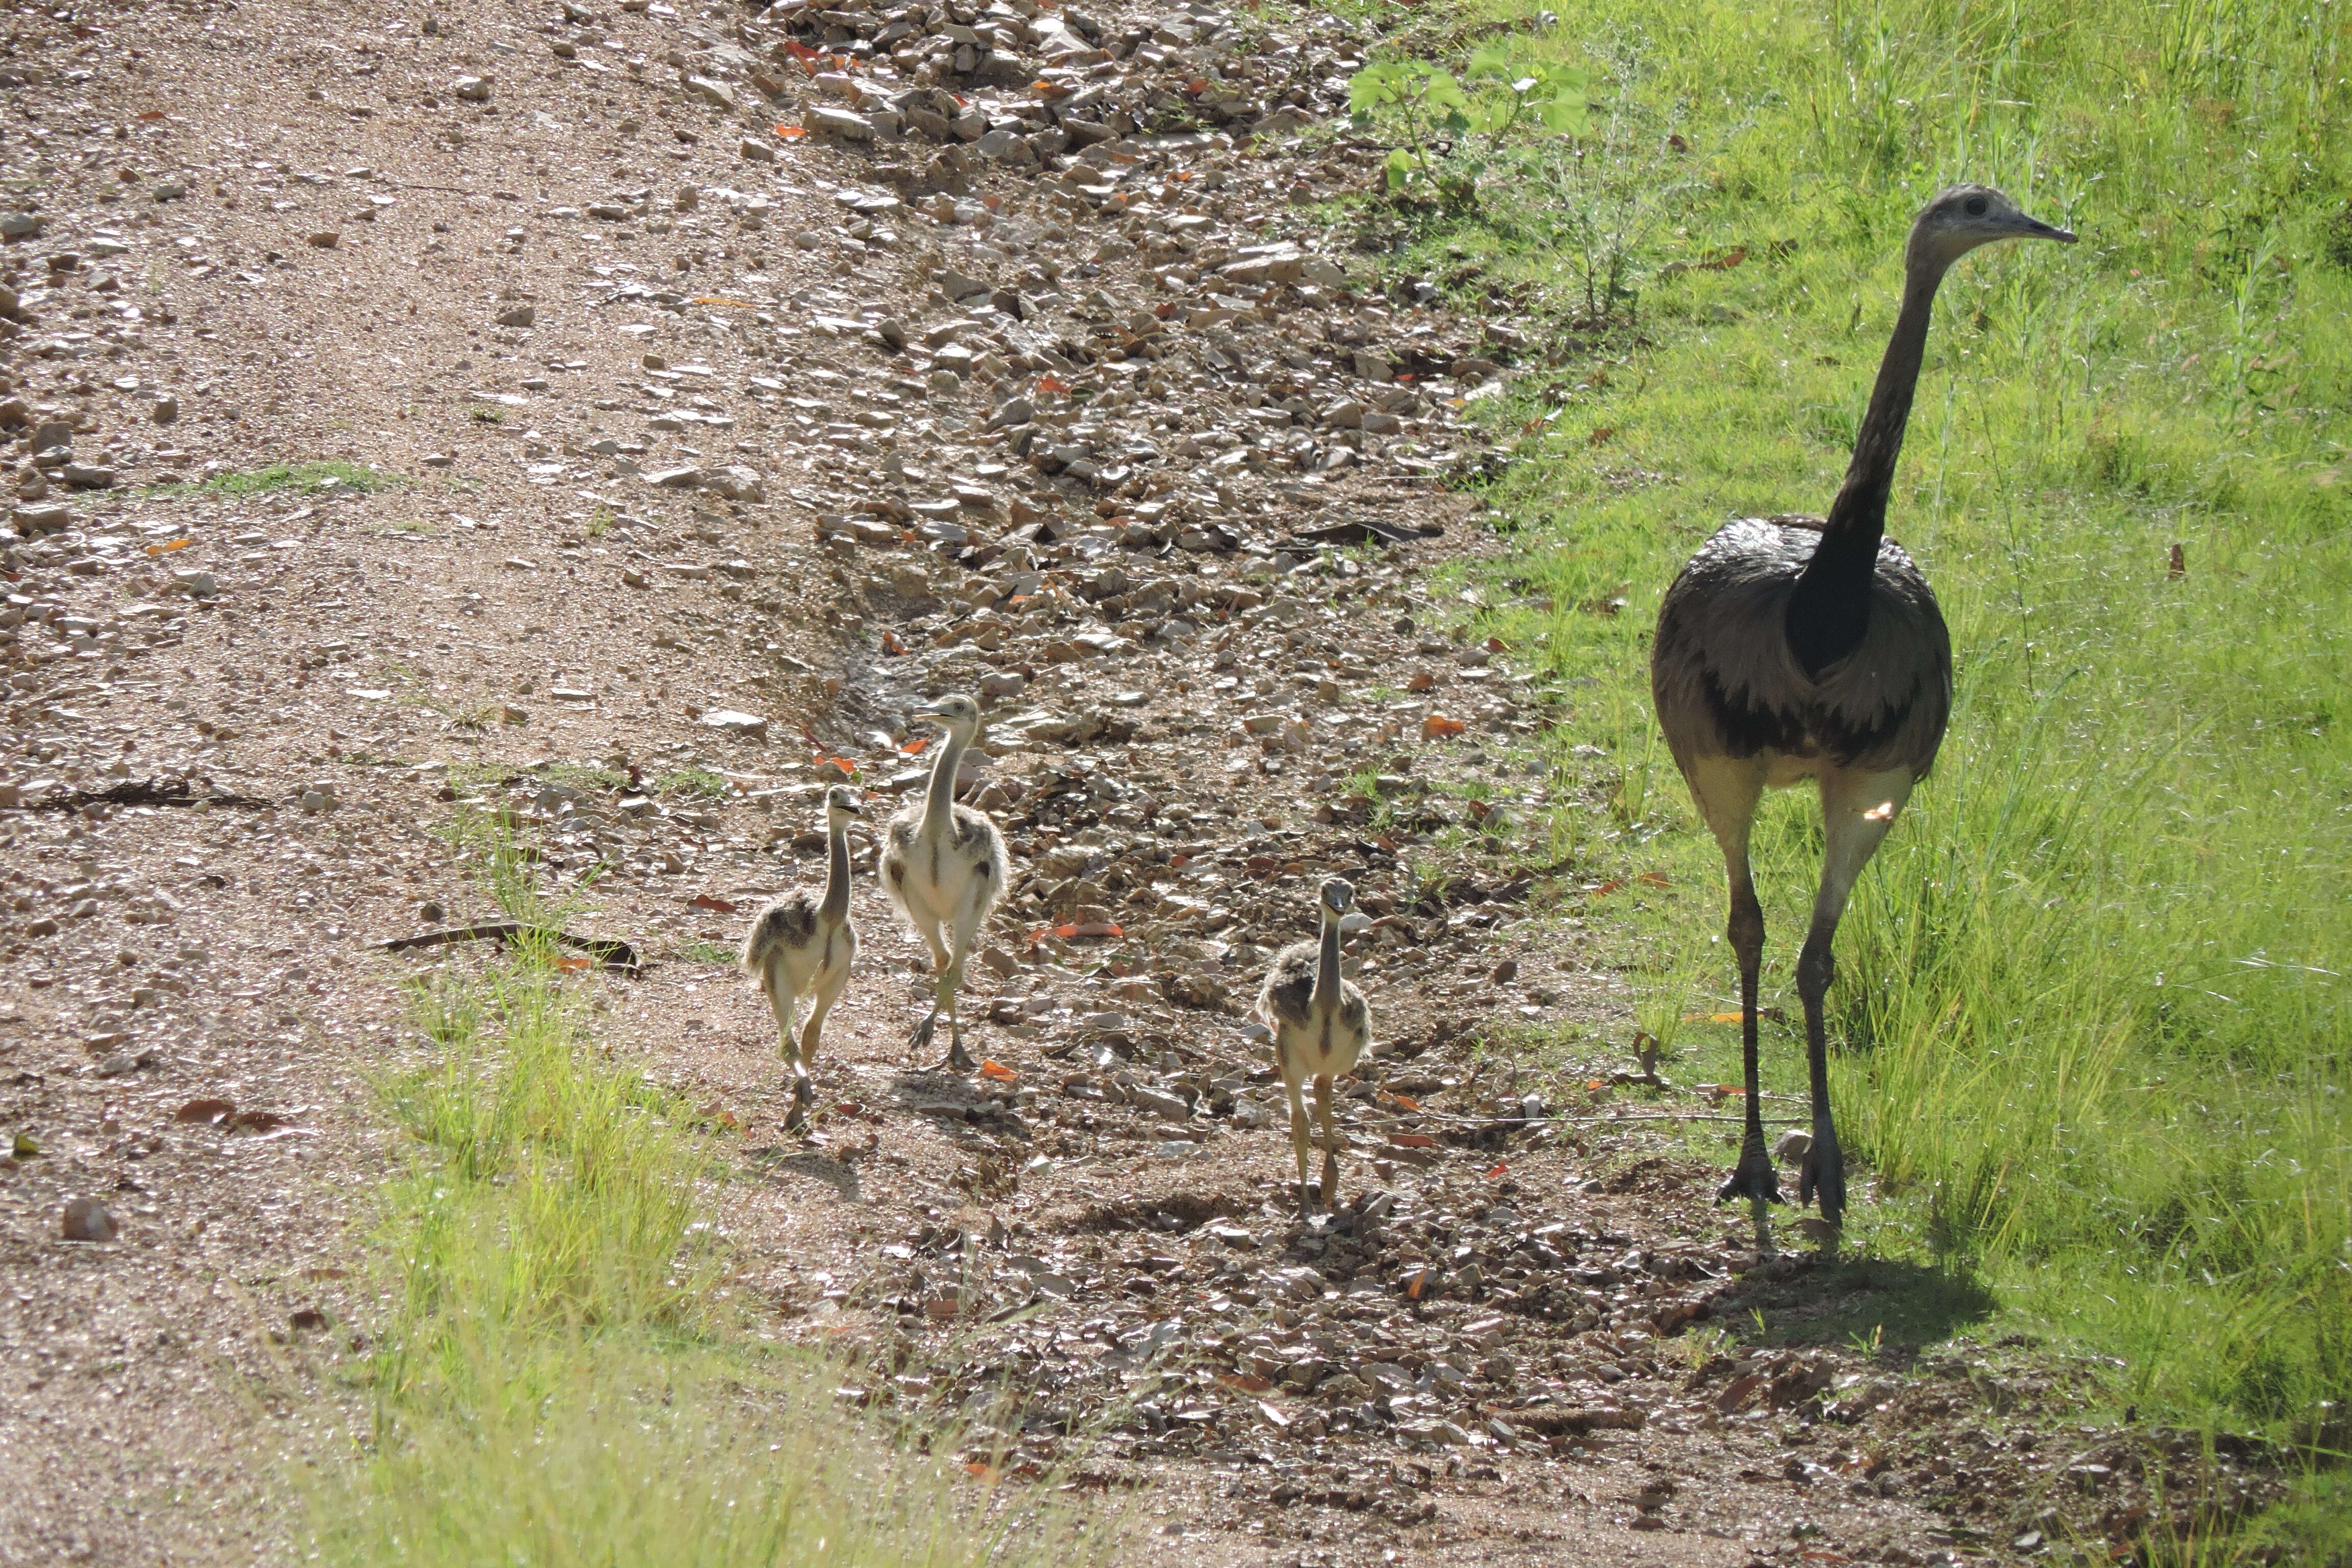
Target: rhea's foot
<point x="1328" y="1188"/>
<point x="958" y="1057"/>
<point x="920" y="1036"/>
<point x="1822" y="1174"/>
<point x="1752" y="1178"/>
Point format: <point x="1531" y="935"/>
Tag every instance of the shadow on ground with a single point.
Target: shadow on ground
<point x="1867" y="1301"/>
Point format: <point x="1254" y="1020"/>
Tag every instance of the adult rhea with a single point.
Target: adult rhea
<point x="1794" y="648"/>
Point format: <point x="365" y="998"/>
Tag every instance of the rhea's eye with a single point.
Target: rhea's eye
<point x="1976" y="206"/>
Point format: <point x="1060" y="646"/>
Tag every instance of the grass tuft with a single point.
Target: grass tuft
<point x="333" y="474"/>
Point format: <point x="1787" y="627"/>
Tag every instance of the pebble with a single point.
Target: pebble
<point x="87" y="1219"/>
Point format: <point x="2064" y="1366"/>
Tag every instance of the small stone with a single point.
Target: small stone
<point x="472" y="88"/>
<point x="87" y="1219"/>
<point x="738" y="481"/>
<point x="431" y="912"/>
<point x="841" y="122"/>
<point x="755" y="151"/>
<point x="34" y="519"/>
<point x="195" y="585"/>
<point x="674" y="479"/>
<point x="323" y="240"/>
<point x="1161" y="1104"/>
<point x="749" y="726"/>
<point x="517" y="316"/>
<point x="83" y="478"/>
<point x="163" y="410"/>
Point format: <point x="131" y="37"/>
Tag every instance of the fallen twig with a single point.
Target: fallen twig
<point x="608" y="953"/>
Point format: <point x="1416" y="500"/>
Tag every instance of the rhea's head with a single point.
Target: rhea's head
<point x="1965" y="216"/>
<point x="956" y="714"/>
<point x="1339" y="896"/>
<point x="840" y="805"/>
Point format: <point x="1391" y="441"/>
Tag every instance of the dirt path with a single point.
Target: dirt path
<point x="637" y="467"/>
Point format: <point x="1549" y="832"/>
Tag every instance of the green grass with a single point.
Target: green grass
<point x="2092" y="993"/>
<point x="563" y="1375"/>
<point x="318" y="476"/>
<point x="694" y="783"/>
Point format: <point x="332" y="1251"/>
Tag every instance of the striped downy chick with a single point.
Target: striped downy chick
<point x="1322" y="1027"/>
<point x="943" y="864"/>
<point x="802" y="946"/>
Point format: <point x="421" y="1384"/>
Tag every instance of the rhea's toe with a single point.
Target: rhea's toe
<point x="1753" y="1181"/>
<point x="1822" y="1176"/>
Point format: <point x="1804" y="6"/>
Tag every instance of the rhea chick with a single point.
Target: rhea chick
<point x="1322" y="1027"/>
<point x="802" y="946"/>
<point x="943" y="867"/>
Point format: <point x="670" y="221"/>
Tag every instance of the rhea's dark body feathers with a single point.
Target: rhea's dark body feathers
<point x="1728" y="674"/>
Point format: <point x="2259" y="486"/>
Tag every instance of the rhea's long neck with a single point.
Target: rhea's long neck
<point x="1327" y="968"/>
<point x="1830" y="609"/>
<point x="940" y="802"/>
<point x="836" y="873"/>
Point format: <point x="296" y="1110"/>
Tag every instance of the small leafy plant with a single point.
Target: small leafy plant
<point x="1453" y="127"/>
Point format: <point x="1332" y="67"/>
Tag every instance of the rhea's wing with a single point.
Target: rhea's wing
<point x="1721" y="675"/>
<point x="1289" y="984"/>
<point x="789" y="922"/>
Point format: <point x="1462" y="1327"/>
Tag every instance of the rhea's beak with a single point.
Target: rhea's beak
<point x="2034" y="228"/>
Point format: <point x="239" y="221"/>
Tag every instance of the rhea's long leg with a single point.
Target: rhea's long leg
<point x="1857" y="809"/>
<point x="784" y="1003"/>
<point x="951" y="985"/>
<point x="1291" y="1082"/>
<point x="829" y="989"/>
<point x="1324" y="1094"/>
<point x="1726" y="791"/>
<point x="921" y="1035"/>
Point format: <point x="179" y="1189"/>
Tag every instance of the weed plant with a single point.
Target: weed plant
<point x="2092" y="1000"/>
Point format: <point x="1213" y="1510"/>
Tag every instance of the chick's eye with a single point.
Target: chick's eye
<point x="1976" y="206"/>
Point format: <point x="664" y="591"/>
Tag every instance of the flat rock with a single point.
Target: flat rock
<point x="87" y="1219"/>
